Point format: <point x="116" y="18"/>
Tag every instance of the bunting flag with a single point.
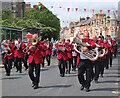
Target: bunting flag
<point x="72" y="9"/>
<point x="51" y="6"/>
<point x="76" y="9"/>
<point x="27" y="5"/>
<point x="93" y="10"/>
<point x="85" y="9"/>
<point x="34" y="6"/>
<point x="116" y="11"/>
<point x="68" y="9"/>
<point x="43" y="6"/>
<point x="100" y="11"/>
<point x="108" y="11"/>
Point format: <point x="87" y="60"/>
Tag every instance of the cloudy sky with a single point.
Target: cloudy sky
<point x="72" y="15"/>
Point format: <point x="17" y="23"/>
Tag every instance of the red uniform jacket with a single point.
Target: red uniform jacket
<point x="19" y="53"/>
<point x="35" y="55"/>
<point x="49" y="51"/>
<point x="12" y="51"/>
<point x="112" y="46"/>
<point x="106" y="48"/>
<point x="61" y="54"/>
<point x="44" y="47"/>
<point x="69" y="50"/>
<point x="92" y="46"/>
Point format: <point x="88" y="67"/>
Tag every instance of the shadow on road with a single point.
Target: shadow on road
<point x="108" y="81"/>
<point x="56" y="86"/>
<point x="11" y="78"/>
<point x="105" y="89"/>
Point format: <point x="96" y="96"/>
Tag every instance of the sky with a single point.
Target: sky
<point x="72" y="15"/>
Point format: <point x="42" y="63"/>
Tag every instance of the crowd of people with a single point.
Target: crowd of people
<point x="15" y="53"/>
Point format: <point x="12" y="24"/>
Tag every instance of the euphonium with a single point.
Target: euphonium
<point x="101" y="52"/>
<point x="89" y="54"/>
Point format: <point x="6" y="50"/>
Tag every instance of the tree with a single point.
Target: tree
<point x="44" y="16"/>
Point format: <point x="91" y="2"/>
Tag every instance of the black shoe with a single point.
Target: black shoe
<point x="87" y="89"/>
<point x="36" y="86"/>
<point x="33" y="84"/>
<point x="26" y="69"/>
<point x="82" y="87"/>
<point x="17" y="70"/>
<point x="102" y="76"/>
<point x="62" y="75"/>
<point x="66" y="71"/>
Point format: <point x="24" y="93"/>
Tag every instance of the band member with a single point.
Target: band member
<point x="104" y="58"/>
<point x="48" y="51"/>
<point x="74" y="54"/>
<point x="25" y="57"/>
<point x="35" y="59"/>
<point x="84" y="65"/>
<point x="111" y="49"/>
<point x="8" y="57"/>
<point x="69" y="54"/>
<point x="19" y="54"/>
<point x="108" y="54"/>
<point x="115" y="48"/>
<point x="43" y="52"/>
<point x="62" y="57"/>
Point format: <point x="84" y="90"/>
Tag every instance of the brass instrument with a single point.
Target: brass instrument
<point x="101" y="52"/>
<point x="18" y="46"/>
<point x="89" y="54"/>
<point x="34" y="41"/>
<point x="7" y="49"/>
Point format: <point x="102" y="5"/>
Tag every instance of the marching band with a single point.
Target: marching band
<point x="89" y="56"/>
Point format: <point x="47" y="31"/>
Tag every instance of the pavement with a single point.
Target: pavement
<point x="51" y="84"/>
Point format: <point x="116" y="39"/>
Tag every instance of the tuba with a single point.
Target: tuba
<point x="89" y="54"/>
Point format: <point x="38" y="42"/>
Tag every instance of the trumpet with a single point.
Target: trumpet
<point x="89" y="54"/>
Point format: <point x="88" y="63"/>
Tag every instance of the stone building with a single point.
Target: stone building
<point x="18" y="8"/>
<point x="98" y="23"/>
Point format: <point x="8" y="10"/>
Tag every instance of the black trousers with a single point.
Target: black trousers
<point x="48" y="59"/>
<point x="16" y="63"/>
<point x="35" y="78"/>
<point x="74" y="62"/>
<point x="20" y="64"/>
<point x="70" y="60"/>
<point x="103" y="64"/>
<point x="43" y="58"/>
<point x="107" y="61"/>
<point x="85" y="66"/>
<point x="7" y="65"/>
<point x="110" y="58"/>
<point x="98" y="67"/>
<point x="25" y="61"/>
<point x="61" y="64"/>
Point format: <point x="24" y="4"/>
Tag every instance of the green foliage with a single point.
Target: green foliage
<point x="39" y="18"/>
